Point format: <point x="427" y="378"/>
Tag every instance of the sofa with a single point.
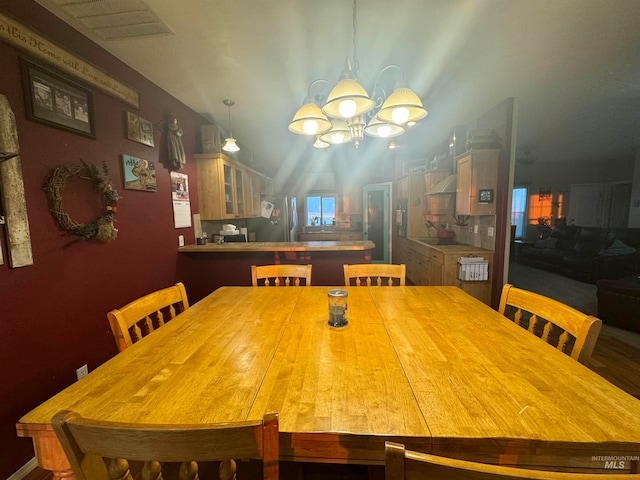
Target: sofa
<point x="619" y="302"/>
<point x="587" y="254"/>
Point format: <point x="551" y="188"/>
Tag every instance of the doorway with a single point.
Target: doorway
<point x="376" y="225"/>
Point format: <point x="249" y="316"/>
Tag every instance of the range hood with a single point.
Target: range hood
<point x="447" y="185"/>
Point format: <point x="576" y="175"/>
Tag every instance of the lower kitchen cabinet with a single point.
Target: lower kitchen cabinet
<point x="438" y="265"/>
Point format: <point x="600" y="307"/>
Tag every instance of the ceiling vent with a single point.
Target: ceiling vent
<point x="115" y="19"/>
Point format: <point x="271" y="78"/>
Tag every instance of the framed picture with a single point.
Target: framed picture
<point x="139" y="174"/>
<point x="485" y="196"/>
<point x="139" y="130"/>
<point x="54" y="99"/>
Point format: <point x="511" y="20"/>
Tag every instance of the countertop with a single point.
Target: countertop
<point x="327" y="246"/>
<point x="456" y="248"/>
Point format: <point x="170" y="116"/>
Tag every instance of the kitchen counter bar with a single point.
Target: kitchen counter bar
<point x="205" y="268"/>
<point x="325" y="246"/>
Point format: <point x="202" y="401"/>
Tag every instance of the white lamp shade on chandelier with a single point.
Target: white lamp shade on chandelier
<point x="338" y="134"/>
<point x="347" y="99"/>
<point x="309" y="120"/>
<point x="381" y="129"/>
<point x="402" y="107"/>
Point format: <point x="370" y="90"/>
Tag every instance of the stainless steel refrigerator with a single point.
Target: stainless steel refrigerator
<point x="278" y="221"/>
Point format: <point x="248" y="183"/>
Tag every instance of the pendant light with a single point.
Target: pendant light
<point x="230" y="144"/>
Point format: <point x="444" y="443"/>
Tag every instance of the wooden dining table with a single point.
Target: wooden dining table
<point x="430" y="367"/>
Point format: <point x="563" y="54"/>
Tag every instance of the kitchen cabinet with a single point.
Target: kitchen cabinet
<point x="226" y="189"/>
<point x="330" y="236"/>
<point x="411" y="190"/>
<point x="351" y="200"/>
<point x="477" y="172"/>
<point x="435" y="265"/>
<point x="239" y="197"/>
<point x="319" y="236"/>
<point x="252" y="193"/>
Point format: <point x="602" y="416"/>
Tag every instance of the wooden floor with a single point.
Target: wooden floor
<point x="618" y="362"/>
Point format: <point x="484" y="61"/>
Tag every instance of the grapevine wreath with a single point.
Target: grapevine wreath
<point x="101" y="228"/>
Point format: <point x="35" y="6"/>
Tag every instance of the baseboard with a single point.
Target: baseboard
<point x="25" y="470"/>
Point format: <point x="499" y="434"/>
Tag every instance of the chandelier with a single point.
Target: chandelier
<point x="347" y="111"/>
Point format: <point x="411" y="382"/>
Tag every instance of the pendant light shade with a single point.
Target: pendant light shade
<point x="339" y="133"/>
<point x="380" y="129"/>
<point x="309" y="120"/>
<point x="347" y="99"/>
<point x="230" y="144"/>
<point x="402" y="106"/>
<point x="319" y="143"/>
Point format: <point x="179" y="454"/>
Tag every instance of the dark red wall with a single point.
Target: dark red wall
<point x="53" y="313"/>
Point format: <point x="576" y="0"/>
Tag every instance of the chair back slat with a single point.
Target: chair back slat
<point x="380" y="274"/>
<point x="281" y="275"/>
<point x="136" y="319"/>
<point x="570" y="330"/>
<point x="156" y="445"/>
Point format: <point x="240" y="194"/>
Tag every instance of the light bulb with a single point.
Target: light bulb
<point x="384" y="131"/>
<point x="400" y="115"/>
<point x="337" y="137"/>
<point x="347" y="108"/>
<point x="310" y="127"/>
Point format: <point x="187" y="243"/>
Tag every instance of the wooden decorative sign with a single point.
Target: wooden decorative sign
<point x="12" y="192"/>
<point x="22" y="37"/>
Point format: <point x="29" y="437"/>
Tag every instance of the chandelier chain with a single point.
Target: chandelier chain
<point x="355" y="40"/>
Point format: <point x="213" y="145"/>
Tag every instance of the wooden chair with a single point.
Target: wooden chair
<point x="401" y="464"/>
<point x="285" y="275"/>
<point x="553" y="321"/>
<point x="142" y="316"/>
<point x="375" y="274"/>
<point x="122" y="444"/>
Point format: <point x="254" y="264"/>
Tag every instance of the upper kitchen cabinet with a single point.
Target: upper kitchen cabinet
<point x="477" y="181"/>
<point x="226" y="189"/>
<point x="351" y="200"/>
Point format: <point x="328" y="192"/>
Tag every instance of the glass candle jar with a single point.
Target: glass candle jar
<point x="338" y="307"/>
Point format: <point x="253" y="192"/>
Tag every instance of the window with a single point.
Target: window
<point x="519" y="210"/>
<point x="321" y="210"/>
<point x="540" y="209"/>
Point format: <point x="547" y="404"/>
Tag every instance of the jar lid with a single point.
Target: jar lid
<point x="338" y="293"/>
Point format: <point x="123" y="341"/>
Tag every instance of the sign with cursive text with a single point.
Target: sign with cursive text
<point x="22" y="37"/>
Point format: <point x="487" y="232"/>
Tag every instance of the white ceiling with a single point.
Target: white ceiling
<point x="572" y="65"/>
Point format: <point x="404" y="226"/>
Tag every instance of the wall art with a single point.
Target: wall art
<point x="139" y="130"/>
<point x="53" y="98"/>
<point x="139" y="174"/>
